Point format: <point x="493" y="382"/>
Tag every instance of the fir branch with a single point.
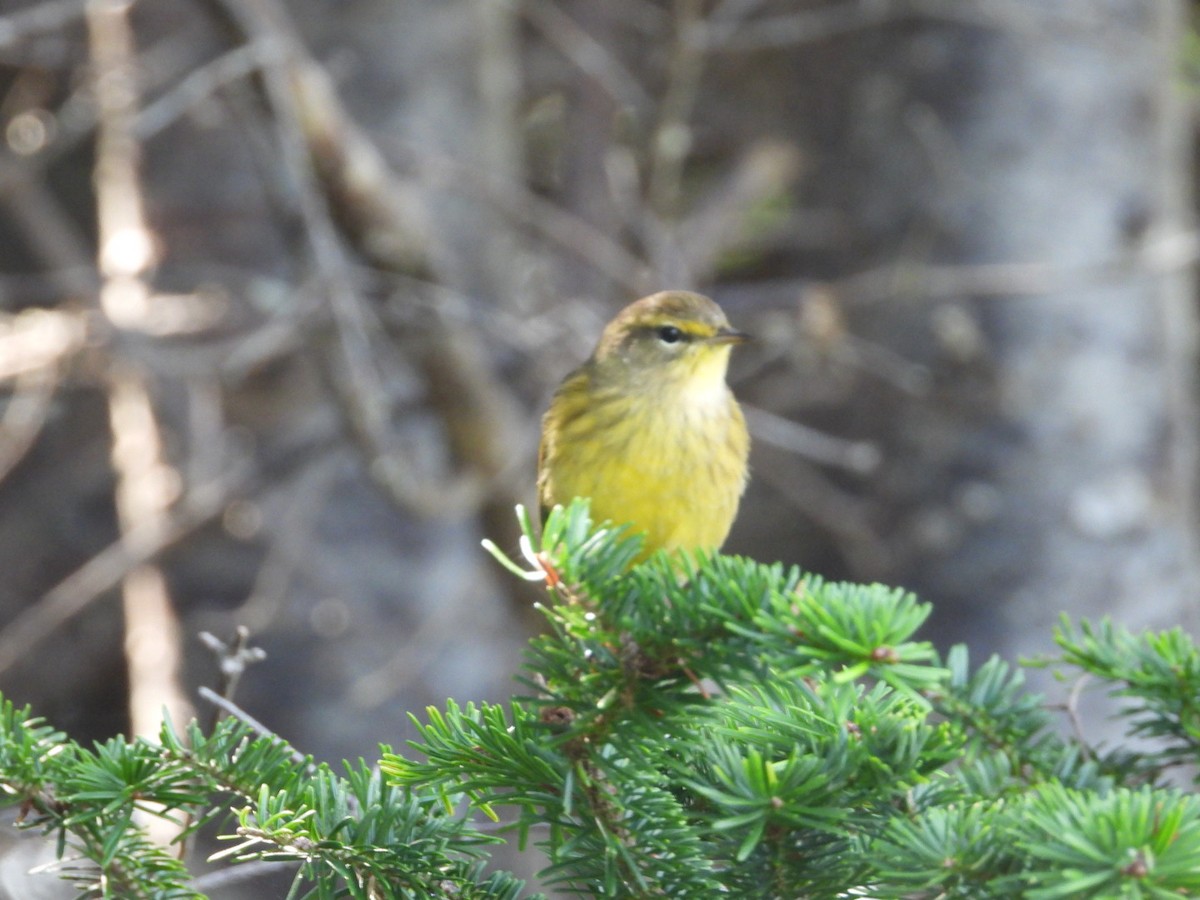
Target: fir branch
<point x="694" y="726"/>
<point x="1158" y="673"/>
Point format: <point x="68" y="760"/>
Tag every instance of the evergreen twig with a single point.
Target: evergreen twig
<point x="691" y="727"/>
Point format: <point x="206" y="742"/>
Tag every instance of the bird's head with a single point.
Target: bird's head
<point x="673" y="339"/>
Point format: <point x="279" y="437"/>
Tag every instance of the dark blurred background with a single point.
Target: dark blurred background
<point x="285" y="286"/>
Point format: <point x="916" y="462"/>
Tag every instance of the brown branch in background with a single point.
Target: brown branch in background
<point x="52" y="236"/>
<point x="499" y="150"/>
<point x="37" y="345"/>
<point x="483" y="420"/>
<point x="52" y="15"/>
<point x="1158" y="254"/>
<point x="335" y="168"/>
<point x="196" y="87"/>
<point x="587" y="52"/>
<point x="356" y="374"/>
<point x="290" y="546"/>
<point x="685" y="239"/>
<point x="718" y="222"/>
<point x="847" y="518"/>
<point x="859" y="457"/>
<point x="145" y="488"/>
<point x="737" y="31"/>
<point x="232" y="709"/>
<point x="374" y="206"/>
<point x="25" y="415"/>
<point x="126" y="248"/>
<point x="688" y="237"/>
<point x="233" y="658"/>
<point x="146" y="485"/>
<point x="672" y="138"/>
<point x="138" y="546"/>
<point x="383" y="219"/>
<point x="591" y="105"/>
<point x="346" y="188"/>
<point x="377" y="210"/>
<point x="37" y="339"/>
<point x="557" y="225"/>
<point x="742" y="33"/>
<point x="380" y="214"/>
<point x="420" y="647"/>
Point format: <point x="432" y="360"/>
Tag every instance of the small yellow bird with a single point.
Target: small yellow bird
<point x="648" y="429"/>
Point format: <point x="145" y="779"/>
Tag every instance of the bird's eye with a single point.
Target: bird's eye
<point x="669" y="334"/>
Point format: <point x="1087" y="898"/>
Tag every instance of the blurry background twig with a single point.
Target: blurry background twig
<point x="285" y="286"/>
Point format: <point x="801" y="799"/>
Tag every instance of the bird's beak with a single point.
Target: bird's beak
<point x="729" y="336"/>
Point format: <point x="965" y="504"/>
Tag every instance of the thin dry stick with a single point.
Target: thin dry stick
<point x="786" y="30"/>
<point x="289" y="550"/>
<point x="572" y="233"/>
<point x="584" y="51"/>
<point x="860" y="457"/>
<point x="138" y="546"/>
<point x="1072" y="709"/>
<point x="230" y="708"/>
<point x="25" y="415"/>
<point x="197" y="87"/>
<point x="847" y="518"/>
<point x="126" y="248"/>
<point x="717" y="222"/>
<point x="789" y="29"/>
<point x="366" y="400"/>
<point x="38" y="339"/>
<point x="301" y="100"/>
<point x="45" y="17"/>
<point x="425" y="644"/>
<point x="686" y="248"/>
<point x="145" y="488"/>
<point x="501" y="145"/>
<point x="52" y="236"/>
<point x="1161" y="253"/>
<point x="146" y="484"/>
<point x="672" y="135"/>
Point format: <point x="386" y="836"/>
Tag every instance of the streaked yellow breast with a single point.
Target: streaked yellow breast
<point x="670" y="460"/>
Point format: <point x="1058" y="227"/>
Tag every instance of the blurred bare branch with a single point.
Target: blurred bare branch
<point x="230" y="708"/>
<point x="126" y="249"/>
<point x="561" y="227"/>
<point x="54" y="238"/>
<point x="418" y="648"/>
<point x="25" y="414"/>
<point x="199" y="85"/>
<point x="37" y="339"/>
<point x="146" y="484"/>
<point x="303" y="127"/>
<point x="861" y="457"/>
<point x="290" y="550"/>
<point x="592" y="57"/>
<point x="47" y="16"/>
<point x="847" y="518"/>
<point x="344" y="181"/>
<point x="672" y="138"/>
<point x="718" y="221"/>
<point x="378" y="210"/>
<point x="142" y="544"/>
<point x="591" y="106"/>
<point x="1158" y="254"/>
<point x="737" y="31"/>
<point x="734" y="29"/>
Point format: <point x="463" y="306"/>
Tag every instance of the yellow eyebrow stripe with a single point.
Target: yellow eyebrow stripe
<point x="689" y="327"/>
